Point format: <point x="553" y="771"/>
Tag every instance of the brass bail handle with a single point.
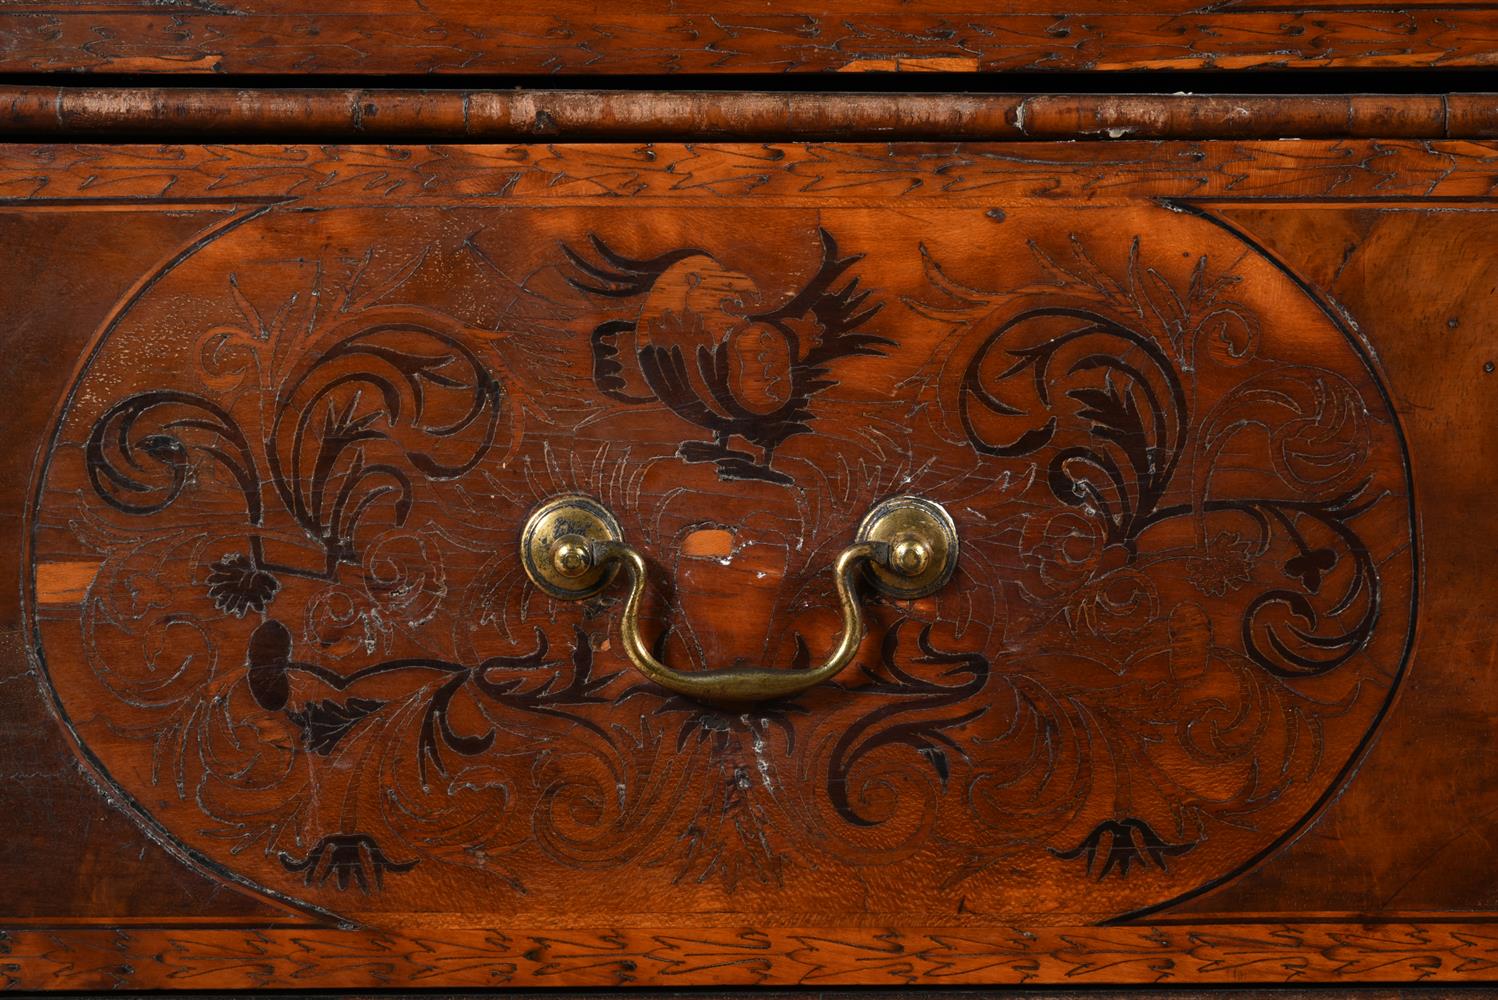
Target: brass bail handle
<point x="572" y="548"/>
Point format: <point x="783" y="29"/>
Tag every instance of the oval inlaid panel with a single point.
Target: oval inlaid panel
<point x="278" y="596"/>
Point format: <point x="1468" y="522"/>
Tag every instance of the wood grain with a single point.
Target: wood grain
<point x="303" y="958"/>
<point x="463" y="38"/>
<point x="980" y="175"/>
<point x="64" y="582"/>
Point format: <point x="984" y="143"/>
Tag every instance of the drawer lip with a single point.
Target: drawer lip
<point x="481" y="115"/>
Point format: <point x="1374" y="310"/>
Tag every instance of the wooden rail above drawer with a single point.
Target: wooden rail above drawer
<point x="458" y="38"/>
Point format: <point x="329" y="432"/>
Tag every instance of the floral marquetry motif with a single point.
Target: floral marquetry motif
<point x="295" y="468"/>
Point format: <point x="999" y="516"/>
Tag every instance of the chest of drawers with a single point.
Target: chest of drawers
<point x="466" y="537"/>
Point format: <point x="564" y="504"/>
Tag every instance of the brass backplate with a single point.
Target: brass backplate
<point x="911" y="519"/>
<point x="561" y="524"/>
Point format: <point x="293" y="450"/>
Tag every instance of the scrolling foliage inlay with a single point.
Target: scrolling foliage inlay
<point x="295" y="471"/>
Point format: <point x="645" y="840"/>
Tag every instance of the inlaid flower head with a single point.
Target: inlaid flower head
<point x="237" y="585"/>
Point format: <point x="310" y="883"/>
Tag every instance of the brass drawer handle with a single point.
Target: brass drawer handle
<point x="572" y="548"/>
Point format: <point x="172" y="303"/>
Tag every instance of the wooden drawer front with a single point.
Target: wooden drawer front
<point x="283" y="431"/>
